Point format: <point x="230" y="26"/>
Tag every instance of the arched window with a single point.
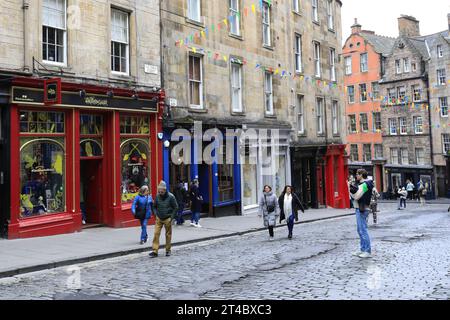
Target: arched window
<point x="42" y="173"/>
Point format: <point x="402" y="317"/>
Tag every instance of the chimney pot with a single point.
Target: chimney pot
<point x="356" y="27"/>
<point x="408" y="26"/>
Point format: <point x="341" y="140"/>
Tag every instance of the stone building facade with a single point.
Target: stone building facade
<point x="80" y="104"/>
<point x="270" y="54"/>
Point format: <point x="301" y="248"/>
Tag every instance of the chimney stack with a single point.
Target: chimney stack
<point x="356" y="28"/>
<point x="448" y="18"/>
<point x="408" y="26"/>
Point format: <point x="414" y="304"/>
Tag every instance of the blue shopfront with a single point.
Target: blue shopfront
<point x="219" y="181"/>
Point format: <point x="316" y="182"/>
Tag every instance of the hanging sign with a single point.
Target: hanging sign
<point x="52" y="91"/>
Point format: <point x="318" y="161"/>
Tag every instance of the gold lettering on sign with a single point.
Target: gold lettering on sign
<point x="96" y="102"/>
<point x="51" y="91"/>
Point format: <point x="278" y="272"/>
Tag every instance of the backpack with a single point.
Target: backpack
<point x="141" y="212"/>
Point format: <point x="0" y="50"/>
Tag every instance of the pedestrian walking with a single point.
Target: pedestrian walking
<point x="403" y="194"/>
<point x="410" y="189"/>
<point x="142" y="208"/>
<point x="422" y="192"/>
<point x="269" y="209"/>
<point x="181" y="195"/>
<point x="166" y="208"/>
<point x="196" y="203"/>
<point x="361" y="195"/>
<point x="290" y="205"/>
<point x="374" y="204"/>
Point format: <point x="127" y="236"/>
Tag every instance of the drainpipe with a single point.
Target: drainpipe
<point x="26" y="36"/>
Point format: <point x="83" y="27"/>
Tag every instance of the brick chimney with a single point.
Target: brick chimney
<point x="356" y="28"/>
<point x="448" y="18"/>
<point x="408" y="26"/>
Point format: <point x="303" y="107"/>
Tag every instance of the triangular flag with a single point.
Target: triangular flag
<point x="253" y="8"/>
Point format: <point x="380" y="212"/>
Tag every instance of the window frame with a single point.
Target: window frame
<point x="198" y="9"/>
<point x="300" y="100"/>
<point x="236" y="18"/>
<point x="351" y="101"/>
<point x="352" y="121"/>
<point x="364" y="65"/>
<point x="445" y="141"/>
<point x="439" y="51"/>
<point x="320" y="101"/>
<point x="64" y="38"/>
<point x="233" y="67"/>
<point x="376" y="120"/>
<point x="363" y="94"/>
<point x="268" y="94"/>
<point x="364" y="126"/>
<point x="315" y="10"/>
<point x="365" y="145"/>
<point x="333" y="65"/>
<point x="392" y="122"/>
<point x="266" y="24"/>
<point x="441" y="77"/>
<point x="398" y="66"/>
<point x="417" y="125"/>
<point x="298" y="53"/>
<point x="403" y="152"/>
<point x="394" y="155"/>
<point x="378" y="147"/>
<point x="443" y="104"/>
<point x="403" y="125"/>
<point x="335" y="117"/>
<point x="347" y="66"/>
<point x="317" y="66"/>
<point x="375" y="93"/>
<point x="354" y="151"/>
<point x="201" y="106"/>
<point x="417" y="156"/>
<point x="127" y="44"/>
<point x="330" y="15"/>
<point x="406" y="65"/>
<point x="296" y="6"/>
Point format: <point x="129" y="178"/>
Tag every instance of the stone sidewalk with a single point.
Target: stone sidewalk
<point x="29" y="255"/>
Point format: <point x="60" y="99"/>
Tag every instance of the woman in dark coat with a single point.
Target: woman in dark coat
<point x="289" y="204"/>
<point x="196" y="204"/>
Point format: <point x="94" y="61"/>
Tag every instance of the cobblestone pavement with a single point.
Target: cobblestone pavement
<point x="411" y="261"/>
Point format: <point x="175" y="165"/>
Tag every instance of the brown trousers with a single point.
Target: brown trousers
<point x="158" y="227"/>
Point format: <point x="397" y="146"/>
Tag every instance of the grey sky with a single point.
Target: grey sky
<point x="381" y="15"/>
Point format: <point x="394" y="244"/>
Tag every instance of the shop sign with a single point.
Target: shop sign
<point x="52" y="91"/>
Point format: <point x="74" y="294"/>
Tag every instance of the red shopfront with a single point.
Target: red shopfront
<point x="336" y="177"/>
<point x="93" y="150"/>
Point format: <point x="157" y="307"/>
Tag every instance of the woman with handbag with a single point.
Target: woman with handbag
<point x="196" y="203"/>
<point x="269" y="209"/>
<point x="289" y="204"/>
<point x="142" y="209"/>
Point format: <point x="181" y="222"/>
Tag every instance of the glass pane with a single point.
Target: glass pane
<point x="51" y="53"/>
<point x="42" y="168"/>
<point x="91" y="148"/>
<point x="51" y="35"/>
<point x="135" y="155"/>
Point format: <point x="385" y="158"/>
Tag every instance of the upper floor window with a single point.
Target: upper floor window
<point x="406" y="65"/>
<point x="235" y="23"/>
<point x="401" y="93"/>
<point x="443" y="105"/>
<point x="301" y="114"/>
<point x="377" y="121"/>
<point x="194" y="11"/>
<point x="363" y="122"/>
<point x="393" y="127"/>
<point x="268" y="93"/>
<point x="378" y="151"/>
<point x="54" y="31"/>
<point x="352" y="123"/>
<point x="195" y="82"/>
<point x="403" y="126"/>
<point x="363" y="92"/>
<point x="318" y="72"/>
<point x="351" y="94"/>
<point x="236" y="87"/>
<point x="440" y="51"/>
<point x="335" y="117"/>
<point x="298" y="53"/>
<point x="398" y="67"/>
<point x="364" y="62"/>
<point x="441" y="77"/>
<point x="446" y="143"/>
<point x="119" y="41"/>
<point x="394" y="156"/>
<point x="266" y="24"/>
<point x="348" y="65"/>
<point x="315" y="10"/>
<point x="296" y="5"/>
<point x="319" y="113"/>
<point x="417" y="93"/>
<point x="418" y="125"/>
<point x="375" y="90"/>
<point x="330" y="14"/>
<point x="332" y="64"/>
<point x="392" y="94"/>
<point x="404" y="155"/>
<point x="420" y="156"/>
<point x="367" y="152"/>
<point x="354" y="156"/>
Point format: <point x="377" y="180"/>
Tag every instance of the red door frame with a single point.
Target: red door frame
<point x="335" y="168"/>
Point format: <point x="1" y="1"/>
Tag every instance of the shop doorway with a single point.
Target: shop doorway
<point x="91" y="191"/>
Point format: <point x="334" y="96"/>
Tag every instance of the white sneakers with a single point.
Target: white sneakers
<point x="192" y="224"/>
<point x="356" y="253"/>
<point x="270" y="238"/>
<point x="197" y="225"/>
<point x="365" y="255"/>
<point x="83" y="222"/>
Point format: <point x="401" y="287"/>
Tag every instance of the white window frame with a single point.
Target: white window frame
<point x="440" y="51"/>
<point x="351" y="101"/>
<point x="400" y="90"/>
<point x="445" y="142"/>
<point x="333" y="64"/>
<point x="441" y="77"/>
<point x="364" y="152"/>
<point x="418" y="124"/>
<point x="201" y="105"/>
<point x="266" y="25"/>
<point x="443" y="107"/>
<point x="298" y="53"/>
<point x="320" y="114"/>
<point x="364" y="125"/>
<point x="375" y="122"/>
<point x="403" y="122"/>
<point x="393" y="127"/>
<point x="315" y="10"/>
<point x="420" y="156"/>
<point x="296" y="6"/>
<point x="316" y="48"/>
<point x="330" y="14"/>
<point x="335" y="117"/>
<point x="268" y="94"/>
<point x="394" y="155"/>
<point x="375" y="93"/>
<point x="126" y="43"/>
<point x="416" y="89"/>
<point x="406" y="65"/>
<point x="362" y="96"/>
<point x="300" y="100"/>
<point x="364" y="62"/>
<point x="236" y="88"/>
<point x="404" y="155"/>
<point x="392" y="96"/>
<point x="350" y="123"/>
<point x="378" y="149"/>
<point x="353" y="153"/>
<point x="64" y="30"/>
<point x="235" y="24"/>
<point x="194" y="11"/>
<point x="348" y="66"/>
<point x="398" y="67"/>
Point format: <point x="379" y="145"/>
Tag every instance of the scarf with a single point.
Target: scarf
<point x="287" y="205"/>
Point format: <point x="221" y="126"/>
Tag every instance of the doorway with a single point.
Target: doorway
<point x="91" y="191"/>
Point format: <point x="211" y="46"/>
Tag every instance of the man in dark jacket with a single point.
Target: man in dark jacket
<point x="361" y="201"/>
<point x="180" y="194"/>
<point x="165" y="208"/>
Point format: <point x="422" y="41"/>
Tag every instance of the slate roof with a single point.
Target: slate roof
<point x="381" y="44"/>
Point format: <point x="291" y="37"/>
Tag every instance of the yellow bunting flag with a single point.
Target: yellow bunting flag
<point x="226" y="22"/>
<point x="276" y="71"/>
<point x="253" y="8"/>
<point x="225" y="58"/>
<point x="202" y="33"/>
<point x="194" y="49"/>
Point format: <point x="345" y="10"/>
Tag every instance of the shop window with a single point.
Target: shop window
<point x="41" y="122"/>
<point x="250" y="179"/>
<point x="134" y="125"/>
<point x="91" y="148"/>
<point x="226" y="182"/>
<point x="91" y="135"/>
<point x="135" y="158"/>
<point x="42" y="174"/>
<point x="180" y="172"/>
<point x="91" y="124"/>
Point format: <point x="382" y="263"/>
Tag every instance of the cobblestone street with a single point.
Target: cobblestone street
<point x="411" y="254"/>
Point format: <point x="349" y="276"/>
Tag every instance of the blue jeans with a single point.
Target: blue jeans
<point x="404" y="203"/>
<point x="361" y="222"/>
<point x="290" y="223"/>
<point x="144" y="235"/>
<point x="195" y="217"/>
<point x="180" y="219"/>
<point x="83" y="211"/>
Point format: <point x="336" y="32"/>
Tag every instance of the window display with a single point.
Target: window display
<point x="135" y="156"/>
<point x="41" y="122"/>
<point x="42" y="168"/>
<point x="134" y="125"/>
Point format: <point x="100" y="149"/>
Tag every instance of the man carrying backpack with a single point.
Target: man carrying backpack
<point x="361" y="196"/>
